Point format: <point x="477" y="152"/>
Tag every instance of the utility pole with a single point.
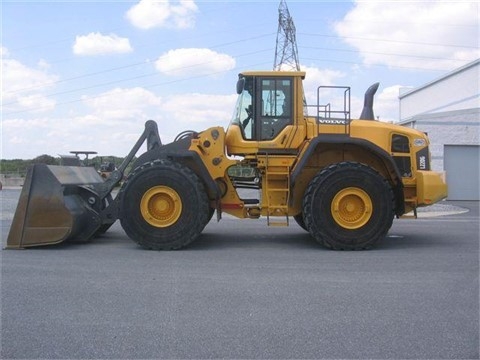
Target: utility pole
<point x="286" y="52"/>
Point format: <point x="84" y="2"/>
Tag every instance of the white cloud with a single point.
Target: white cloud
<point x="123" y="104"/>
<point x="17" y="77"/>
<point x="132" y="107"/>
<point x="23" y="87"/>
<point x="22" y="138"/>
<point x="314" y="78"/>
<point x="193" y="61"/>
<point x="205" y="109"/>
<point x="149" y="14"/>
<point x="18" y="124"/>
<point x="418" y="34"/>
<point x="118" y="117"/>
<point x="36" y="103"/>
<point x="98" y="44"/>
<point x="43" y="65"/>
<point x="4" y="51"/>
<point x="386" y="104"/>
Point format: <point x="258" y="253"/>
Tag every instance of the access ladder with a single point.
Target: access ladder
<point x="277" y="188"/>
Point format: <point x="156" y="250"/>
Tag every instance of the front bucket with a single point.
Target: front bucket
<point x="56" y="204"/>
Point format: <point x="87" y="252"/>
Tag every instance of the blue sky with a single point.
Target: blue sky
<point x="86" y="75"/>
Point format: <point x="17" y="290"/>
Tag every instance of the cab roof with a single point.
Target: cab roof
<point x="273" y="73"/>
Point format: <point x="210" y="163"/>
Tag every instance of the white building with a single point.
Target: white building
<point x="448" y="109"/>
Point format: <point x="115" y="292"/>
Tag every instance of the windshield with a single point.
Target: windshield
<point x="243" y="112"/>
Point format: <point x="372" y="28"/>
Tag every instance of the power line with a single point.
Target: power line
<point x="381" y="53"/>
<point x="153" y="74"/>
<point x="121" y="68"/>
<point x="145" y="87"/>
<point x="392" y="41"/>
<point x="394" y="23"/>
<point x="74" y="78"/>
<point x="382" y="65"/>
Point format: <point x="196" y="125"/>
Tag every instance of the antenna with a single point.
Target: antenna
<point x="286" y="52"/>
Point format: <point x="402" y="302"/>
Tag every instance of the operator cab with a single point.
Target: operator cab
<point x="264" y="116"/>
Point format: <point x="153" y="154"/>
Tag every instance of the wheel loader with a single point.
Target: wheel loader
<point x="341" y="179"/>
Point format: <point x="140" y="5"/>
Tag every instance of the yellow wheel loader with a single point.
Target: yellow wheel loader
<point x="343" y="180"/>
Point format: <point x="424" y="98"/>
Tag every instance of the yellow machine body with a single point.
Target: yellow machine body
<point x="291" y="150"/>
<point x="340" y="178"/>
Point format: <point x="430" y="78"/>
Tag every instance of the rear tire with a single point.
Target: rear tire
<point x="164" y="205"/>
<point x="348" y="206"/>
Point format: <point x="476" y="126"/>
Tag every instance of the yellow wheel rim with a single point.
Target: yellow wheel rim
<point x="351" y="208"/>
<point x="161" y="206"/>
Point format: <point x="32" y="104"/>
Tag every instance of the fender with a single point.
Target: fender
<point x="178" y="151"/>
<point x="377" y="151"/>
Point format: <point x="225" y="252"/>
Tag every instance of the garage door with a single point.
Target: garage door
<point x="461" y="163"/>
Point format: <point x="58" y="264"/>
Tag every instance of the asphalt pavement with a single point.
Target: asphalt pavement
<point x="244" y="290"/>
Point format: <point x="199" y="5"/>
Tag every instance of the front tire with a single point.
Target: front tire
<point x="348" y="206"/>
<point x="164" y="206"/>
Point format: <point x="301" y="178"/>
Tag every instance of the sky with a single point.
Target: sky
<point x="86" y="75"/>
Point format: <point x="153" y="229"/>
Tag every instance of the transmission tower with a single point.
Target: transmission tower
<point x="286" y="52"/>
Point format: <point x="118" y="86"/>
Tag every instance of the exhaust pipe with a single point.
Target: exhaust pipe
<point x="367" y="111"/>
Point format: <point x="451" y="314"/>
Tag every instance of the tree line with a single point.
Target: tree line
<point x="20" y="166"/>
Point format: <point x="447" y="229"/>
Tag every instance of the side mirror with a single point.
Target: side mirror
<point x="240" y="85"/>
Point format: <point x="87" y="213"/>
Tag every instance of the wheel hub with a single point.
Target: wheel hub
<point x="161" y="206"/>
<point x="351" y="208"/>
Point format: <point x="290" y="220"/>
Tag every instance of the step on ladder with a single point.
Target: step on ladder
<point x="277" y="182"/>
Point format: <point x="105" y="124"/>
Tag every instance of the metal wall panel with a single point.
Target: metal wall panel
<point x="462" y="164"/>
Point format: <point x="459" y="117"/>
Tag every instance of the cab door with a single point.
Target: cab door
<point x="274" y="111"/>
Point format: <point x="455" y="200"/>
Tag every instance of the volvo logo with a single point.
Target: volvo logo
<point x="332" y="121"/>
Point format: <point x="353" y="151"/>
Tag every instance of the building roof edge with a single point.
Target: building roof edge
<point x="447" y="75"/>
